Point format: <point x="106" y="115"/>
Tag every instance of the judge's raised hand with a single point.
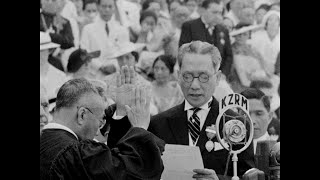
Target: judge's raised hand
<point x="203" y="174"/>
<point x="139" y="111"/>
<point x="124" y="90"/>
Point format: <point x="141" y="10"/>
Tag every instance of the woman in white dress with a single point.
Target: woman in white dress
<point x="267" y="40"/>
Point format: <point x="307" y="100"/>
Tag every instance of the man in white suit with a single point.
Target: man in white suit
<point x="104" y="33"/>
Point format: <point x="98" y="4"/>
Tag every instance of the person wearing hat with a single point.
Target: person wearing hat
<point x="127" y="54"/>
<point x="79" y="64"/>
<point x="51" y="77"/>
<point x="267" y="41"/>
<point x="248" y="62"/>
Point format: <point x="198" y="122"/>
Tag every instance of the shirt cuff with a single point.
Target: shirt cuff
<point x="116" y="117"/>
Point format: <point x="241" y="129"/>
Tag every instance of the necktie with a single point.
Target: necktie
<point x="107" y="29"/>
<point x="194" y="125"/>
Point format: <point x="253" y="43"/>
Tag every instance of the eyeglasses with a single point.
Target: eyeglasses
<point x="188" y="77"/>
<point x="102" y="120"/>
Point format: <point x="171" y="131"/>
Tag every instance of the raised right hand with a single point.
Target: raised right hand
<point x="124" y="90"/>
<point x="139" y="111"/>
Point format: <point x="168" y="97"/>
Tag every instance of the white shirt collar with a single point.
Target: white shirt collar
<point x="206" y="24"/>
<point x="205" y="106"/>
<point x="59" y="126"/>
<point x="264" y="137"/>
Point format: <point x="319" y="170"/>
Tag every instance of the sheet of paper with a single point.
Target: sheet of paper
<point x="179" y="161"/>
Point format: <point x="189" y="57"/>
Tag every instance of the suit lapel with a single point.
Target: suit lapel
<point x="216" y="34"/>
<point x="203" y="31"/>
<point x="211" y="119"/>
<point x="178" y="126"/>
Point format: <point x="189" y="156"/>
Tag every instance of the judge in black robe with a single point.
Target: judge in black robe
<point x="136" y="156"/>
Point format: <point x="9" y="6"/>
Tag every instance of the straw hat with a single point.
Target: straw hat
<point x="267" y="15"/>
<point x="244" y="29"/>
<point x="125" y="48"/>
<point x="45" y="41"/>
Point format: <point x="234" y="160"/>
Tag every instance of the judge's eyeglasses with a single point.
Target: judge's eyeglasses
<point x="101" y="120"/>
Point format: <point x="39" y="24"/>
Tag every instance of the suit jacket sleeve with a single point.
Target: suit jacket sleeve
<point x="227" y="62"/>
<point x="118" y="128"/>
<point x="136" y="156"/>
<point x="64" y="37"/>
<point x="185" y="36"/>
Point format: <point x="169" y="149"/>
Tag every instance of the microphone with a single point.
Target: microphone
<point x="236" y="129"/>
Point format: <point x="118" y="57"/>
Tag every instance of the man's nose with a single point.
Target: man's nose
<point x="195" y="84"/>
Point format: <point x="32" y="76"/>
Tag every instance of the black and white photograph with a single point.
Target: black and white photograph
<point x="160" y="89"/>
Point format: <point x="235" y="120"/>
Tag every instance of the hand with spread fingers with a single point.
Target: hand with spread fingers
<point x="205" y="174"/>
<point x="124" y="90"/>
<point x="139" y="111"/>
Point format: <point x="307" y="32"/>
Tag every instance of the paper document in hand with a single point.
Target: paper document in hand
<point x="179" y="161"/>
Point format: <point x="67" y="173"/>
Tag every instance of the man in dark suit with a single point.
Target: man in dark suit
<point x="185" y="124"/>
<point x="207" y="28"/>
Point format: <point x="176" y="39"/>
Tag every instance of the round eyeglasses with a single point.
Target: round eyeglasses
<point x="188" y="77"/>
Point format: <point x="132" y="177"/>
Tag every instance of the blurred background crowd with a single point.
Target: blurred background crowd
<point x="95" y="38"/>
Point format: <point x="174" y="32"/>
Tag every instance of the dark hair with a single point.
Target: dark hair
<point x="266" y="7"/>
<point x="86" y="2"/>
<point x="147" y="13"/>
<point x="136" y="55"/>
<point x="258" y="84"/>
<point x="71" y="92"/>
<point x="76" y="60"/>
<point x="205" y="4"/>
<point x="168" y="60"/>
<point x="146" y="4"/>
<point x="252" y="93"/>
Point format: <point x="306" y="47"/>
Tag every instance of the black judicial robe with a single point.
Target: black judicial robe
<point x="135" y="156"/>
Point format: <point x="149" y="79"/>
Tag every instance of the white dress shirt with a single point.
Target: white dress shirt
<point x="202" y="114"/>
<point x="94" y="37"/>
<point x="129" y="13"/>
<point x="269" y="49"/>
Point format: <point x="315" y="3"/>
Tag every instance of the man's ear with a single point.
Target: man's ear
<point x="219" y="73"/>
<point x="81" y="115"/>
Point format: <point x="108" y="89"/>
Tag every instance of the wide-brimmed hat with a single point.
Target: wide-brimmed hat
<point x="125" y="48"/>
<point x="45" y="41"/>
<point x="79" y="57"/>
<point x="267" y="15"/>
<point x="244" y="29"/>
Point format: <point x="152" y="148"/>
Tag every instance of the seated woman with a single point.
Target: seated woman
<point x="267" y="40"/>
<point x="165" y="93"/>
<point x="248" y="63"/>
